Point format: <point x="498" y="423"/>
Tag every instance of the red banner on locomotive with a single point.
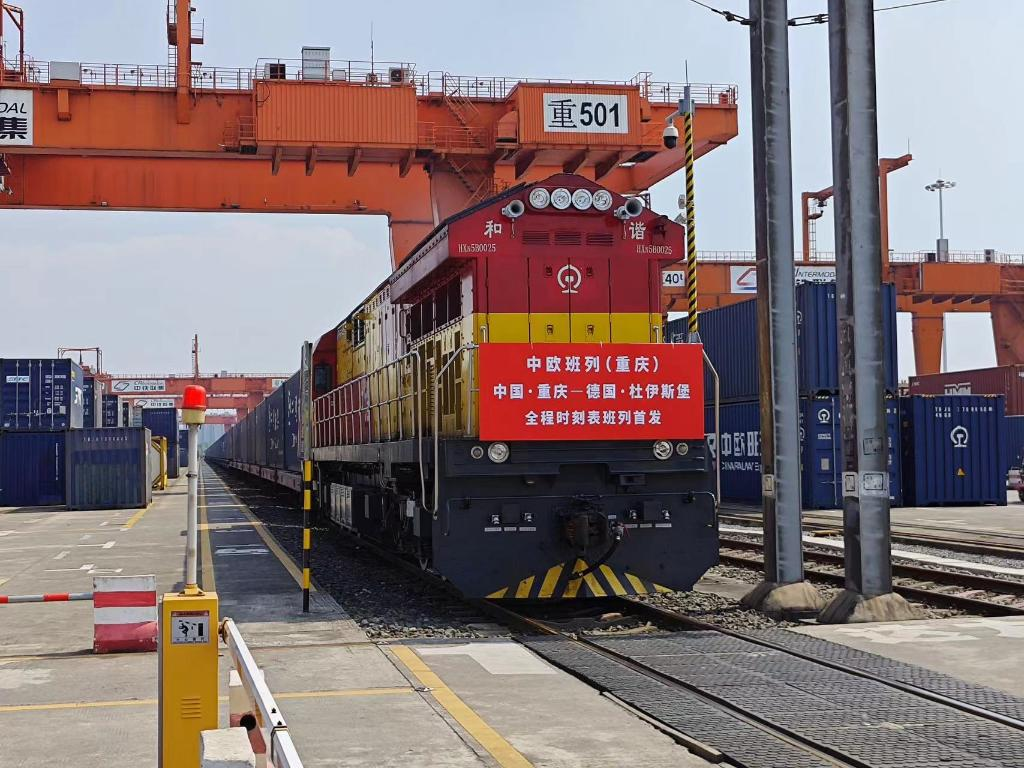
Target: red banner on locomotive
<point x="591" y="392"/>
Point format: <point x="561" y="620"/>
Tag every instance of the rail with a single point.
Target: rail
<point x="895" y="257"/>
<point x="373" y="74"/>
<point x="268" y="716"/>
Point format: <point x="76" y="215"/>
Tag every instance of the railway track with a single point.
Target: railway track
<point x="784" y="737"/>
<point x="975" y="593"/>
<point x="973" y="541"/>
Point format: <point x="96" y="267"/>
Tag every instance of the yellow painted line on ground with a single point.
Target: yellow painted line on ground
<point x="504" y="753"/>
<point x="135" y="518"/>
<point x="274" y="547"/>
<point x="65" y="705"/>
<point x="209" y="577"/>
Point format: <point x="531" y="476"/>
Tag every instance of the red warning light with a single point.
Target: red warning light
<point x="194" y="398"/>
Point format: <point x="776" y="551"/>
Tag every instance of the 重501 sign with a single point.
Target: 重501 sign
<point x="591" y="392"/>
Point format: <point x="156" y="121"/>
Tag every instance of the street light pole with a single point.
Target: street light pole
<point x="942" y="245"/>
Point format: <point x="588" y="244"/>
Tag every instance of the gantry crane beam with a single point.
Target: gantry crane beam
<point x="371" y="138"/>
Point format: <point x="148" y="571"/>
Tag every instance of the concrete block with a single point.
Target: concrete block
<point x="226" y="748"/>
<point x="788" y="601"/>
<point x="849" y="607"/>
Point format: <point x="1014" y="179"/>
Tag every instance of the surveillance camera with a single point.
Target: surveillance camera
<point x="670" y="136"/>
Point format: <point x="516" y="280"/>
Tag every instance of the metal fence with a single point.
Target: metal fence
<point x="211" y="78"/>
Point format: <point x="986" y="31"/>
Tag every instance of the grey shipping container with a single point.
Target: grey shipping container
<point x="41" y="394"/>
<point x="292" y="394"/>
<point x="108" y="468"/>
<point x="274" y="427"/>
<point x="31" y="469"/>
<point x="729" y="335"/>
<point x="953" y="450"/>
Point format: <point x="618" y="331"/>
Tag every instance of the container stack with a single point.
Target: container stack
<point x="163" y="422"/>
<point x="53" y="449"/>
<point x="730" y="339"/>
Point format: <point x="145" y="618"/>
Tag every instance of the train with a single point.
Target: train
<point x="504" y="410"/>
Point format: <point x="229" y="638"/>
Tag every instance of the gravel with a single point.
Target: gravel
<point x="385" y="601"/>
<point x="715" y="609"/>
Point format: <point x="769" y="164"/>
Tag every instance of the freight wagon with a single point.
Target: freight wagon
<point x="502" y="411"/>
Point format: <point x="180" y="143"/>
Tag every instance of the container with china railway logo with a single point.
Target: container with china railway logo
<point x="953" y="450"/>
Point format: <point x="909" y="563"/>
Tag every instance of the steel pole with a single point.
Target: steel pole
<point x="859" y="298"/>
<point x="307" y="505"/>
<point x="942" y="223"/>
<point x="776" y="300"/>
<point x="192" y="523"/>
<point x="693" y="321"/>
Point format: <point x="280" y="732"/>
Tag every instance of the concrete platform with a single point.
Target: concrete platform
<point x="986" y="651"/>
<point x="348" y="701"/>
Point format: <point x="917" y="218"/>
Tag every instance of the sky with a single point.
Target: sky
<point x="255" y="286"/>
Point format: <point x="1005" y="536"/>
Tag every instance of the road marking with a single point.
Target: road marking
<point x="6" y="533"/>
<point x="504" y="753"/>
<point x="107" y="545"/>
<point x="105" y="522"/>
<point x="85" y="536"/>
<point x="134" y="519"/>
<point x="87" y="567"/>
<point x="62" y="555"/>
<point x="94" y="571"/>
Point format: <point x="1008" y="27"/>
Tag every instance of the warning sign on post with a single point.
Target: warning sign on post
<point x="591" y="392"/>
<point x="190" y="627"/>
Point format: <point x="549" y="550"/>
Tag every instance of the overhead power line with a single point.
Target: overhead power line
<point x="814" y="18"/>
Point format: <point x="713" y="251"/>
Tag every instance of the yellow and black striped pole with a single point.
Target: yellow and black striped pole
<point x="693" y="323"/>
<point x="307" y="505"/>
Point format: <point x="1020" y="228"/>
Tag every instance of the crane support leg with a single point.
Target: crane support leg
<point x="1008" y="329"/>
<point x="927" y="331"/>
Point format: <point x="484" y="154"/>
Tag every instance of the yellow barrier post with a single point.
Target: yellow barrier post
<point x="188" y="630"/>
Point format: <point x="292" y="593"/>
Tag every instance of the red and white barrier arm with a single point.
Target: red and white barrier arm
<point x="51" y="597"/>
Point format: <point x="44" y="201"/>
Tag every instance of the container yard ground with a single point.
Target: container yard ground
<point x="348" y="701"/>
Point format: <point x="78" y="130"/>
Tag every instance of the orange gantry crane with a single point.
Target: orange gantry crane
<point x="239" y="391"/>
<point x="319" y="135"/>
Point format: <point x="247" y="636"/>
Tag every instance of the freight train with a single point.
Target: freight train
<point x="503" y="409"/>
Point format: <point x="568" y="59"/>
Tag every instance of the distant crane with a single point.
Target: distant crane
<point x="61" y="351"/>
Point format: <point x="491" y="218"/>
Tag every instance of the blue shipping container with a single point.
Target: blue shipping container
<point x="163" y="422"/>
<point x="1014" y="441"/>
<point x="292" y="398"/>
<point x="953" y="450"/>
<point x="107" y="468"/>
<point x="821" y="452"/>
<point x="182" y="449"/>
<point x="112" y="416"/>
<point x="38" y="394"/>
<point x="730" y="340"/>
<point x="31" y="469"/>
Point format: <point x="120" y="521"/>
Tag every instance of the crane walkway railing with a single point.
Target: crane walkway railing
<point x="373" y="74"/>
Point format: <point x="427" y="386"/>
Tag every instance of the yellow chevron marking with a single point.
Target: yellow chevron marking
<point x="595" y="586"/>
<point x="659" y="588"/>
<point x="523" y="590"/>
<point x="547" y="586"/>
<point x="498" y="595"/>
<point x="574" y="584"/>
<point x="638" y="586"/>
<point x="613" y="580"/>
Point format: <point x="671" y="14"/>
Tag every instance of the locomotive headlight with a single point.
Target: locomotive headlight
<point x="582" y="199"/>
<point x="682" y="449"/>
<point x="663" y="450"/>
<point x="477" y="452"/>
<point x="561" y="198"/>
<point x="498" y="452"/>
<point x="540" y="197"/>
<point x="602" y="200"/>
